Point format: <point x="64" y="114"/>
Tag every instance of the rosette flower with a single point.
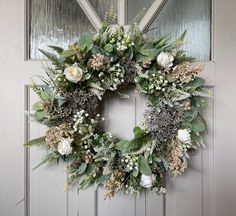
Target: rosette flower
<point x="147" y="181"/>
<point x="73" y="73"/>
<point x="165" y="59"/>
<point x="184" y="136"/>
<point x="64" y="147"/>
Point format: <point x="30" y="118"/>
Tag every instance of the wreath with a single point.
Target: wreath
<point x="79" y="77"/>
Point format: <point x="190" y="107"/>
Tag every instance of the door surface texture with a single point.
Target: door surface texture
<point x="207" y="189"/>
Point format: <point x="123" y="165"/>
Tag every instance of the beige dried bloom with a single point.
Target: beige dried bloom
<point x="147" y="63"/>
<point x="98" y="62"/>
<point x="55" y="134"/>
<point x="185" y="72"/>
<point x="87" y="158"/>
<point x="187" y="106"/>
<point x="116" y="181"/>
<point x="177" y="164"/>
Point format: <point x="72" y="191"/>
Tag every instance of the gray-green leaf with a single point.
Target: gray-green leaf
<point x="144" y="167"/>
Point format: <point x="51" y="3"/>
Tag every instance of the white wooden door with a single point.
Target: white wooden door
<point x="207" y="190"/>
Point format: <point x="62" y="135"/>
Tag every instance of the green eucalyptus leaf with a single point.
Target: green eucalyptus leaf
<point x="85" y="41"/>
<point x="39" y="115"/>
<point x="82" y="168"/>
<point x="144" y="167"/>
<point x="135" y="172"/>
<point x="122" y="145"/>
<point x="202" y="102"/>
<point x="196" y="83"/>
<point x="149" y="53"/>
<point x="98" y="50"/>
<point x="198" y="126"/>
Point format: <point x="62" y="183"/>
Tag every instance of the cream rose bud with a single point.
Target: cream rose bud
<point x="165" y="59"/>
<point x="184" y="136"/>
<point x="73" y="73"/>
<point x="64" y="147"/>
<point x="147" y="181"/>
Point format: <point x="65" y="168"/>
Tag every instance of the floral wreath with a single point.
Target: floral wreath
<point x="172" y="126"/>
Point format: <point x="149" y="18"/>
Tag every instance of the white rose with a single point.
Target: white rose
<point x="184" y="136"/>
<point x="147" y="181"/>
<point x="73" y="73"/>
<point x="64" y="147"/>
<point x="165" y="59"/>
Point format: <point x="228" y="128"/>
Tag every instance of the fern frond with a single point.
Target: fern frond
<point x="36" y="142"/>
<point x="97" y="92"/>
<point x="57" y="49"/>
<point x="52" y="57"/>
<point x="180" y="95"/>
<point x="201" y="94"/>
<point x="48" y="157"/>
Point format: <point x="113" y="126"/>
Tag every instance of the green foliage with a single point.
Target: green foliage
<point x="52" y="57"/>
<point x="109" y="62"/>
<point x="39" y="115"/>
<point x="195" y="84"/>
<point x="57" y="49"/>
<point x="144" y="167"/>
<point x="36" y="142"/>
<point x="82" y="168"/>
<point x="198" y="126"/>
<point x="37" y="106"/>
<point x="137" y="131"/>
<point x="85" y="41"/>
<point x="122" y="145"/>
<point x="67" y="53"/>
<point x="140" y="139"/>
<point x="48" y="157"/>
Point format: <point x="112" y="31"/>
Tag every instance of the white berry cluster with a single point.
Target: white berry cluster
<point x="131" y="162"/>
<point x="84" y="125"/>
<point x="117" y="73"/>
